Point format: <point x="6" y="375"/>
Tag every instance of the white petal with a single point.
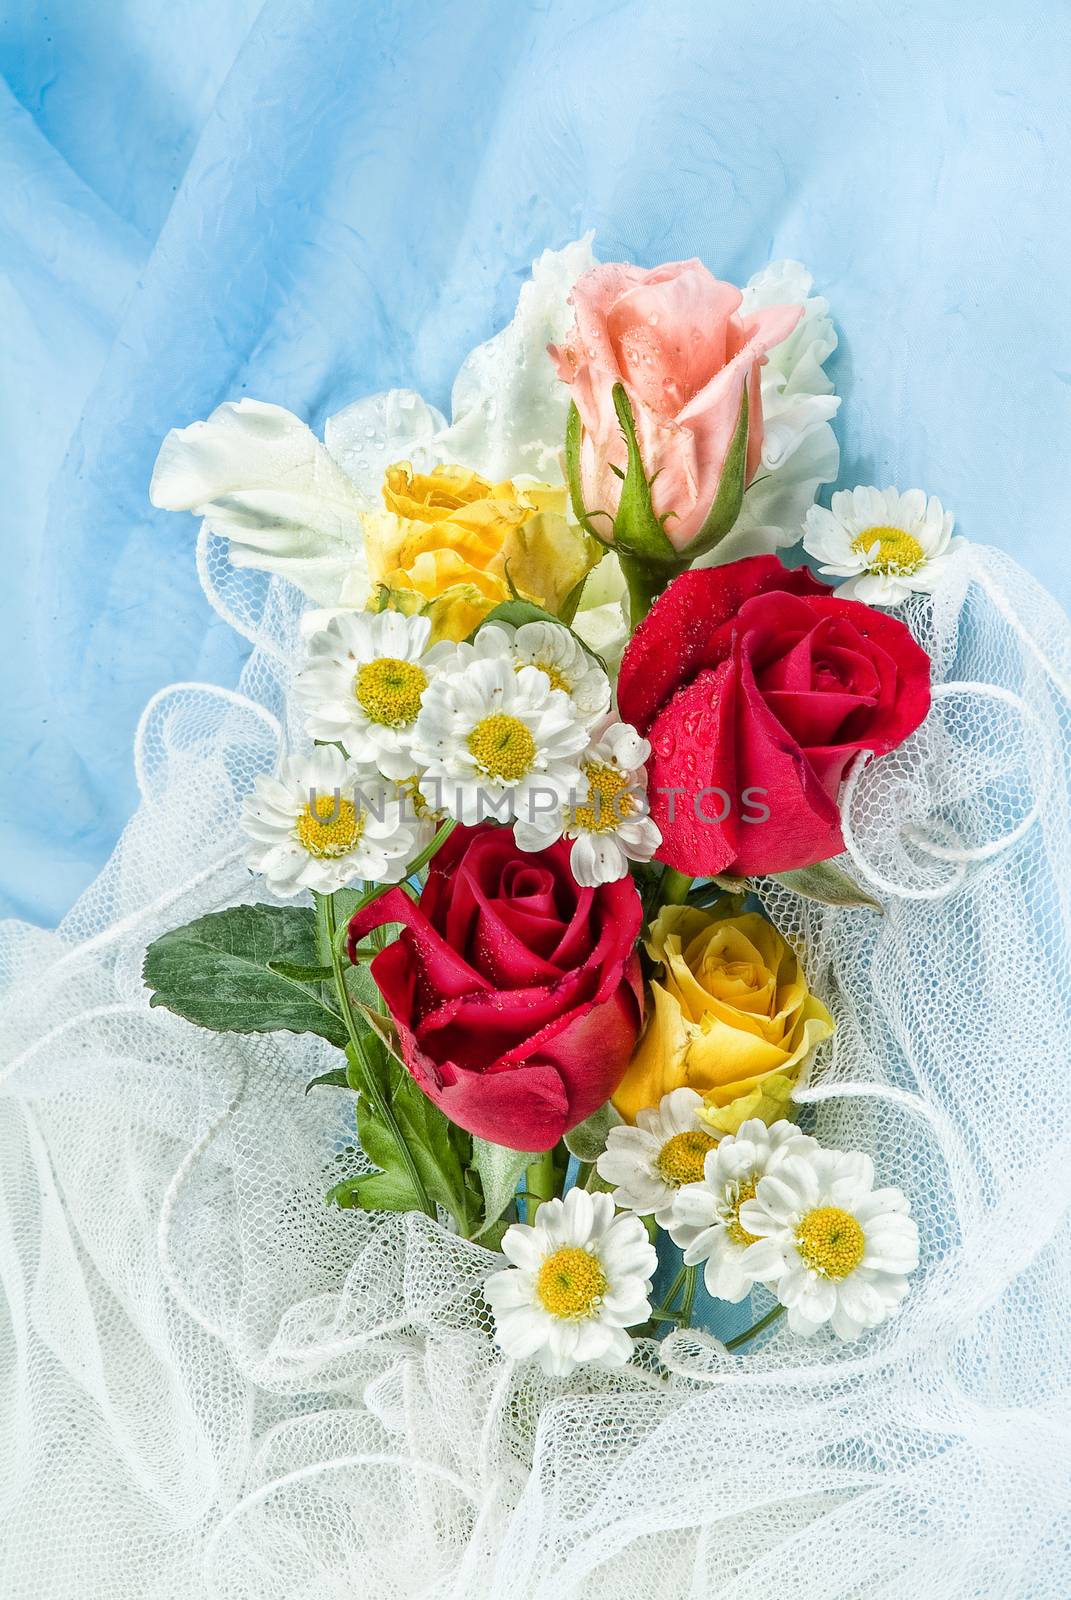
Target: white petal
<point x="509" y="408"/>
<point x="260" y="477"/>
<point x="373" y="433"/>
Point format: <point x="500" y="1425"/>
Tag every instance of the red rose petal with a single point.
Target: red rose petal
<point x="685" y="630"/>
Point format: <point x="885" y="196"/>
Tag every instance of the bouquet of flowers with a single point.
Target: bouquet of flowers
<point x="564" y="727"/>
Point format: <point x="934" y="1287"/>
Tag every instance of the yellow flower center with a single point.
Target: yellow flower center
<point x="410" y="788"/>
<point x="389" y="690"/>
<point x="571" y="1283"/>
<point x="557" y="680"/>
<point x="831" y="1241"/>
<point x="502" y="747"/>
<point x="609" y="802"/>
<point x="681" y="1158"/>
<point x="899" y="553"/>
<point x="333" y="829"/>
<point x="736" y="1230"/>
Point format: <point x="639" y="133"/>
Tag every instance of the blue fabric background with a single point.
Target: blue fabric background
<point x="309" y="199"/>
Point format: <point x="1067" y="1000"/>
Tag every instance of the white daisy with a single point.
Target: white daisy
<point x="497" y="743"/>
<point x="834" y="1248"/>
<point x="363" y="683"/>
<point x="611" y="826"/>
<point x="705" y="1221"/>
<point x="649" y="1163"/>
<point x="554" y="651"/>
<point x="580" y="1277"/>
<point x="324" y="822"/>
<point x="888" y="545"/>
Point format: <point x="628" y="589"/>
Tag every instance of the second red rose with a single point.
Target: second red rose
<point x="757" y="688"/>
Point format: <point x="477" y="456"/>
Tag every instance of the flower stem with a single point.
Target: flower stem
<point x="645" y="584"/>
<point x="663" y="1311"/>
<point x="539" y="1182"/>
<point x="325" y="915"/>
<point x="689" y="1296"/>
<point x="749" y="1333"/>
<point x="673" y="890"/>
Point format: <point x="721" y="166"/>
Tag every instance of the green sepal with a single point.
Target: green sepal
<point x="574" y="434"/>
<point x="730" y="496"/>
<point x="637" y="530"/>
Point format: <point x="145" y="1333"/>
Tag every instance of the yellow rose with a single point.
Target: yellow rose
<point x="732" y="1018"/>
<point x="447" y="538"/>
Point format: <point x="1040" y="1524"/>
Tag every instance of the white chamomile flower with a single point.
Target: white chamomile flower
<point x="363" y="682"/>
<point x="496" y="743"/>
<point x="833" y="1248"/>
<point x="554" y="652"/>
<point x="648" y="1163"/>
<point x="580" y="1276"/>
<point x="888" y="545"/>
<point x="324" y="822"/>
<point x="706" y="1221"/>
<point x="611" y="826"/>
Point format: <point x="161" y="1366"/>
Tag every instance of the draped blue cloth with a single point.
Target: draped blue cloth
<point x="306" y="200"/>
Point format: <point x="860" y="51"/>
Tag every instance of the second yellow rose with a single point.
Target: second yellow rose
<point x="732" y="1017"/>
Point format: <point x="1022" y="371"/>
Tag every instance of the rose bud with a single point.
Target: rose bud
<point x="665" y="431"/>
<point x="757" y="688"/>
<point x="516" y="994"/>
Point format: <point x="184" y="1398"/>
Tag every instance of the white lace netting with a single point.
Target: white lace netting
<point x="210" y="1385"/>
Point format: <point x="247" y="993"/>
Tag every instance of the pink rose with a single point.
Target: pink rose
<point x="675" y="340"/>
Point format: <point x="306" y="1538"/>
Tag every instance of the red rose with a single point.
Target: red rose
<point x="516" y="994"/>
<point x="757" y="687"/>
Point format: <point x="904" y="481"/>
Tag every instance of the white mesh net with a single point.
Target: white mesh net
<point x="211" y="1385"/>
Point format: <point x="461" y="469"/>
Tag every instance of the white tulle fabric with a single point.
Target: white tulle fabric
<point x="212" y="1386"/>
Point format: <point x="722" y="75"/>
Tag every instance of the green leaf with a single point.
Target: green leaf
<point x="828" y="884"/>
<point x="336" y="1079"/>
<point x="215" y="972"/>
<point x="373" y="1191"/>
<point x="587" y="1140"/>
<point x="500" y="1171"/>
<point x="439" y="1151"/>
<point x="730" y="496"/>
<point x="636" y="528"/>
<point x="571" y="603"/>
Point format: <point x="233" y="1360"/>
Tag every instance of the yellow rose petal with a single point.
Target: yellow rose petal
<point x="770" y="1101"/>
<point x="731" y="1013"/>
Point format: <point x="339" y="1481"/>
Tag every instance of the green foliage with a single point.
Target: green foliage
<point x="233" y="972"/>
<point x="730" y="496"/>
<point x="828" y="884"/>
<point x="587" y="1140"/>
<point x="408" y="1138"/>
<point x="637" y="529"/>
<point x="574" y="433"/>
<point x="499" y="1170"/>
